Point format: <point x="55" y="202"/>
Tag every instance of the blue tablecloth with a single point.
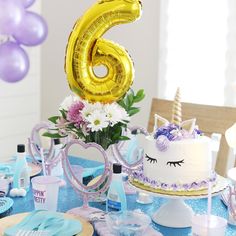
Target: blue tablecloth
<point x="69" y="199"/>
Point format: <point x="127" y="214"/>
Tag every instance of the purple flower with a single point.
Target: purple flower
<point x="162" y="143"/>
<point x="168" y="131"/>
<point x="174" y="132"/>
<point x="74" y="113"/>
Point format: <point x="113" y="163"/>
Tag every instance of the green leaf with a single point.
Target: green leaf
<point x="138" y="99"/>
<point x="122" y="103"/>
<point x="54" y="119"/>
<point x="140" y="92"/>
<point x="139" y="96"/>
<point x="133" y="110"/>
<point x="131" y="91"/>
<point x="129" y="100"/>
<point x="123" y="138"/>
<point x="53" y="135"/>
<point x="116" y="132"/>
<point x="63" y="113"/>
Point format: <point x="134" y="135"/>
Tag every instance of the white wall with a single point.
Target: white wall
<point x="20" y="104"/>
<point x="139" y="38"/>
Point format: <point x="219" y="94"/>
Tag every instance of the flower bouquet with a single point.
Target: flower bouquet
<point x="94" y="122"/>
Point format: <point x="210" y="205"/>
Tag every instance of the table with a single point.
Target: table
<point x="69" y="199"/>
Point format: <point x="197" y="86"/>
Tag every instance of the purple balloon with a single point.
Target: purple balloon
<point x="32" y="30"/>
<point x="14" y="62"/>
<point x="11" y="14"/>
<point x="27" y="3"/>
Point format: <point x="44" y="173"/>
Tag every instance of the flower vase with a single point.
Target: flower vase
<point x="110" y="154"/>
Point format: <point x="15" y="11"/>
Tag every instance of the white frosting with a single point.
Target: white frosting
<point x="196" y="156"/>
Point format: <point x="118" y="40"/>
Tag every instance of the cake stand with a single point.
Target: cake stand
<point x="175" y="212"/>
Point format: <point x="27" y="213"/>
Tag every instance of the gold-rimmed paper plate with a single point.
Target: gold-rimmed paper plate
<point x="220" y="185"/>
<point x="87" y="228"/>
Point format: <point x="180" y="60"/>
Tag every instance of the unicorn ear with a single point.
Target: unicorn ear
<point x="188" y="125"/>
<point x="160" y="121"/>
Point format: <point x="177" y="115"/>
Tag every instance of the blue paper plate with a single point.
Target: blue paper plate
<point x="5" y="204"/>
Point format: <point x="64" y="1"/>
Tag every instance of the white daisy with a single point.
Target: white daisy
<point x="113" y="113"/>
<point x="89" y="108"/>
<point x="68" y="101"/>
<point x="97" y="121"/>
<point x="124" y="115"/>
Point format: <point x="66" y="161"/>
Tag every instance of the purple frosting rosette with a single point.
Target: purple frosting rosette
<point x="172" y="132"/>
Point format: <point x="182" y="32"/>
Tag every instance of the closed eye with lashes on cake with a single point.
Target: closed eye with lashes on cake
<point x="150" y="159"/>
<point x="175" y="163"/>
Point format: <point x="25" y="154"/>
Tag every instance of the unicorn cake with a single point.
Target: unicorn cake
<point x="177" y="155"/>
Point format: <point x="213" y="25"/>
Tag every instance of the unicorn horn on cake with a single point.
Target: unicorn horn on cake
<point x="188" y="125"/>
<point x="176" y="110"/>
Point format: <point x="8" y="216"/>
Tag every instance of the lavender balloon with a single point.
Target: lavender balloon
<point x="27" y="3"/>
<point x="32" y="30"/>
<point x="11" y="14"/>
<point x="14" y="62"/>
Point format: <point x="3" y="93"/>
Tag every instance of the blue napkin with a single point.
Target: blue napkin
<point x="52" y="222"/>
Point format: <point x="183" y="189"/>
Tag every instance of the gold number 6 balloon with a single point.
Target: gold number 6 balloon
<point x="86" y="49"/>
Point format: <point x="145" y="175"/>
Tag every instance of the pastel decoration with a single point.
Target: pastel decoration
<point x="86" y="49"/>
<point x="18" y="26"/>
<point x="14" y="62"/>
<point x="177" y="111"/>
<point x="11" y="15"/>
<point x="32" y="30"/>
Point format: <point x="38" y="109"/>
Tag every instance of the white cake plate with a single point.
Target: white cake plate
<point x="175" y="212"/>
